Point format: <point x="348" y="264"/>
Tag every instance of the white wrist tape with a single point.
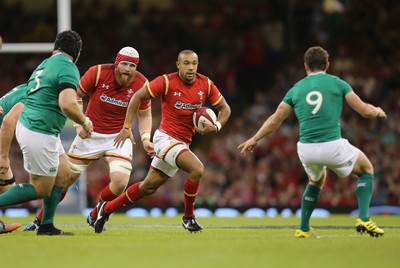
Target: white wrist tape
<point x="218" y="126"/>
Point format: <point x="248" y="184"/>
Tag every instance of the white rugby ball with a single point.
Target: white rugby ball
<point x="204" y="117"/>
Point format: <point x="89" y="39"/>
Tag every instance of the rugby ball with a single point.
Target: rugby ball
<point x="204" y="117"/>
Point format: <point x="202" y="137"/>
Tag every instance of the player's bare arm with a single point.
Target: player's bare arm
<point x="79" y="129"/>
<point x="366" y="110"/>
<point x="133" y="107"/>
<point x="7" y="134"/>
<point x="70" y="107"/>
<point x="270" y="125"/>
<point x="145" y="124"/>
<point x="224" y="112"/>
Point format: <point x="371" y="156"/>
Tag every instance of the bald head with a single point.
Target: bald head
<point x="187" y="64"/>
<point x="185" y="53"/>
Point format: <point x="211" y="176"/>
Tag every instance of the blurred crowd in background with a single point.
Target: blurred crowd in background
<point x="253" y="51"/>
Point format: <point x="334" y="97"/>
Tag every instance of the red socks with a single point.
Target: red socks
<point x="105" y="195"/>
<point x="190" y="190"/>
<point x="131" y="195"/>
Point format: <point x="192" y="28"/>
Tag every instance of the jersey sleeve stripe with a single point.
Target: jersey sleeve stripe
<point x="218" y="101"/>
<point x="150" y="91"/>
<point x="209" y="87"/>
<point x="166" y="84"/>
<point x="81" y="87"/>
<point x="98" y="74"/>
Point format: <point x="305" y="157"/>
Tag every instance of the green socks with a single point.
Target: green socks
<point x="50" y="205"/>
<point x="365" y="187"/>
<point x="308" y="203"/>
<point x="18" y="194"/>
<point x="24" y="192"/>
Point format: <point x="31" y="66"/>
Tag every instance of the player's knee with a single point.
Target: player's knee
<point x="42" y="191"/>
<point x="118" y="184"/>
<point x="363" y="167"/>
<point x="122" y="166"/>
<point x="197" y="172"/>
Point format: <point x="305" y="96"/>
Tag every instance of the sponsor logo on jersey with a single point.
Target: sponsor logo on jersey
<point x="187" y="106"/>
<point x="105" y="98"/>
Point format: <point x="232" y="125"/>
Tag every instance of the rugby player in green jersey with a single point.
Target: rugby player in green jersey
<point x="51" y="98"/>
<point x="317" y="101"/>
<point x="11" y="105"/>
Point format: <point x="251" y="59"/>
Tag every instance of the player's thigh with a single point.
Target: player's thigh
<point x="6" y="176"/>
<point x="190" y="163"/>
<point x="120" y="170"/>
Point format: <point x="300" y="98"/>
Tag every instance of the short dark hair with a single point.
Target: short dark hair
<point x="316" y="58"/>
<point x="69" y="42"/>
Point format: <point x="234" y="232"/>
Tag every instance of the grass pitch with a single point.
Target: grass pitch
<point x="224" y="242"/>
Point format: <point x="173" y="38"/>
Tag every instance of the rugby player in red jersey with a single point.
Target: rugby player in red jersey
<point x="181" y="94"/>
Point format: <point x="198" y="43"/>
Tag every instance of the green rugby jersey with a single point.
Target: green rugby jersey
<point x="12" y="97"/>
<point x="42" y="112"/>
<point x="317" y="101"/>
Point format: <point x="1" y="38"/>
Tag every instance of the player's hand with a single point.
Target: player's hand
<point x="1" y="111"/>
<point x="149" y="148"/>
<point x="4" y="164"/>
<point x="88" y="128"/>
<point x="122" y="136"/>
<point x="381" y="113"/>
<point x="81" y="132"/>
<point x="248" y="145"/>
<point x="210" y="129"/>
<point x="85" y="130"/>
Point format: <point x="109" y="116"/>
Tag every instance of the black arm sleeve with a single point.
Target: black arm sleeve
<point x="63" y="86"/>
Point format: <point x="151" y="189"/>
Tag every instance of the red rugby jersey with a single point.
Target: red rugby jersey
<point x="108" y="102"/>
<point x="179" y="100"/>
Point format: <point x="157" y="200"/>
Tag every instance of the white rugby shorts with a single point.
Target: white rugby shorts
<point x="40" y="151"/>
<point x="338" y="156"/>
<point x="167" y="150"/>
<point x="99" y="145"/>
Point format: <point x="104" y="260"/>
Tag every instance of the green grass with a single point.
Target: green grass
<point x="225" y="242"/>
